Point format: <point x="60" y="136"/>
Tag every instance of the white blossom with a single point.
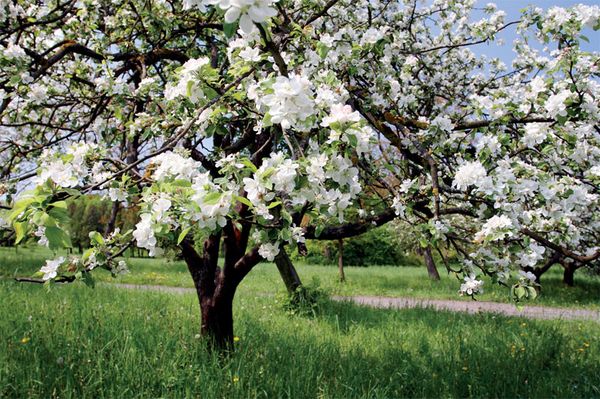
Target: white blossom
<point x="468" y="174"/>
<point x="495" y="228"/>
<point x="269" y="251"/>
<point x="471" y="286"/>
<point x="535" y="133"/>
<point x="144" y="234"/>
<point x="341" y="113"/>
<point x="529" y="276"/>
<point x="291" y="102"/>
<point x="14" y="51"/>
<point x="50" y="269"/>
<point x="555" y="105"/>
<point x="247" y="11"/>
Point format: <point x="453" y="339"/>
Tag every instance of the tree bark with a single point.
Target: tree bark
<point x="215" y="286"/>
<point x="430" y="263"/>
<point x="288" y="272"/>
<point x="341" y="260"/>
<point x="569" y="275"/>
<point x="217" y="319"/>
<point x="215" y="293"/>
<point x="114" y="212"/>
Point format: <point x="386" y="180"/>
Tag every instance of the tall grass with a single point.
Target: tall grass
<point x="104" y="342"/>
<point x="374" y="280"/>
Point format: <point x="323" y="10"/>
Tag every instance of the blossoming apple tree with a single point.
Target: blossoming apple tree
<point x="240" y="127"/>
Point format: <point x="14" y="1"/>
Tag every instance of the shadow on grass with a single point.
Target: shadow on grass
<point x="353" y="351"/>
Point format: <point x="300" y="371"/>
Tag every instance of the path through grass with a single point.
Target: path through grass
<point x="375" y="280"/>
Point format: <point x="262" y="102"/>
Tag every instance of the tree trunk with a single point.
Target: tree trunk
<point x="114" y="212"/>
<point x="288" y="272"/>
<point x="430" y="263"/>
<point x="215" y="287"/>
<point x="341" y="260"/>
<point x="327" y="253"/>
<point x="568" y="276"/>
<point x="217" y="320"/>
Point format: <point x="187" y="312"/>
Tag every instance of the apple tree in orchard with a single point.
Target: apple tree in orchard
<point x="237" y="127"/>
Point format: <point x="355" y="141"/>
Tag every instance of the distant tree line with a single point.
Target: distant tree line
<point x="94" y="213"/>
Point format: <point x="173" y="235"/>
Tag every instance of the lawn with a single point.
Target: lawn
<point x="374" y="280"/>
<point x="107" y="342"/>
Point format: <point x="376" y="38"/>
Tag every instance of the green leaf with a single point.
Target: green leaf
<point x="212" y="198"/>
<point x="97" y="238"/>
<point x="182" y="183"/>
<point x="87" y="254"/>
<point x="59" y="215"/>
<point x="59" y="204"/>
<point x="273" y="204"/>
<point x="243" y="200"/>
<point x="183" y="234"/>
<point x="57" y="238"/>
<point x="230" y="29"/>
<point x="188" y="90"/>
<point x="249" y="164"/>
<point x="520" y="292"/>
<point x="319" y="230"/>
<point x="19" y="207"/>
<point x="20" y="229"/>
<point x="322" y="50"/>
<point x="353" y="140"/>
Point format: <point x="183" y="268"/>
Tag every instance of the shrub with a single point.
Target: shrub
<point x="306" y="300"/>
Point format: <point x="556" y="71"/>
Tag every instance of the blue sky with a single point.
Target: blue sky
<point x="512" y="7"/>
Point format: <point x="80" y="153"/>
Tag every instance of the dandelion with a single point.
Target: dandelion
<point x="236" y="379"/>
<point x="24" y="340"/>
<point x="236" y="339"/>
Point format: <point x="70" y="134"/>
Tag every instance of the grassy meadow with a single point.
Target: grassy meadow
<point x="106" y="342"/>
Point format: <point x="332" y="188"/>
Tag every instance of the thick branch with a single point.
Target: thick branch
<point x="350" y="229"/>
<point x="566" y="252"/>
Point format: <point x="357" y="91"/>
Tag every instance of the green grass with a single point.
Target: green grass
<point x="374" y="280"/>
<point x="107" y="342"/>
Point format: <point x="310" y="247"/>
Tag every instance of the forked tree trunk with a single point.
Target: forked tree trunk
<point x="430" y="263"/>
<point x="288" y="272"/>
<point x="342" y="275"/>
<point x="215" y="287"/>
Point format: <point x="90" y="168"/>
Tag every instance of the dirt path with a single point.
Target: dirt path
<point x="532" y="312"/>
